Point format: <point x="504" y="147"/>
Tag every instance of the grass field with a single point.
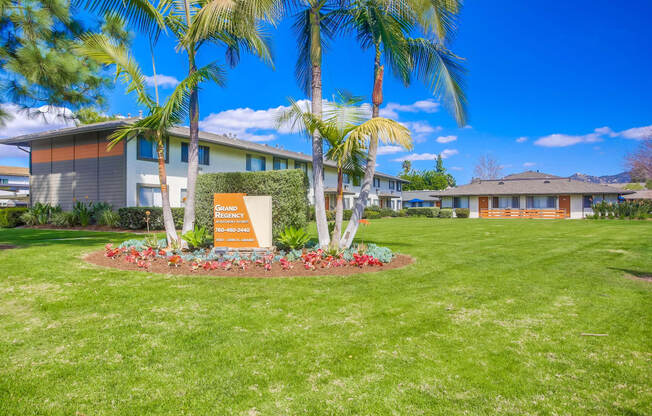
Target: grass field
<point x="488" y="321"/>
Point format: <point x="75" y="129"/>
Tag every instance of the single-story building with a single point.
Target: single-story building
<point x="417" y="199"/>
<point x="73" y="163"/>
<point x="528" y="195"/>
<point x="14" y="186"/>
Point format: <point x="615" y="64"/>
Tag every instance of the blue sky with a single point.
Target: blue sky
<point x="558" y="86"/>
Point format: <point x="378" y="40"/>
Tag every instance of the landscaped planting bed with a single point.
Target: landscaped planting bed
<point x="139" y="255"/>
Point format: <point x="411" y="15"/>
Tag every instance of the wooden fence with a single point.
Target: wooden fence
<point x="522" y="213"/>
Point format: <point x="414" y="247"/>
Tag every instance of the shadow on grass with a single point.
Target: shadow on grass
<point x="635" y="273"/>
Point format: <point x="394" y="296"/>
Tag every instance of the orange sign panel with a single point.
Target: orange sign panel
<point x="231" y="222"/>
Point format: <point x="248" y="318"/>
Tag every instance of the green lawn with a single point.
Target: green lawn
<point x="487" y="321"/>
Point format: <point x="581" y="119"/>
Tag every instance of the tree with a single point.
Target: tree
<point x="407" y="166"/>
<point x="232" y="25"/>
<point x="386" y="28"/>
<point x="346" y="133"/>
<point x="38" y="65"/>
<point x="639" y="163"/>
<point x="487" y="168"/>
<point x="155" y="126"/>
<point x="90" y="115"/>
<point x="438" y="178"/>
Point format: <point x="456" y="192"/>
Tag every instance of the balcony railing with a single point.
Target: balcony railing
<point x="522" y="213"/>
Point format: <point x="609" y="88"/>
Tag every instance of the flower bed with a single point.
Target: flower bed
<point x="137" y="255"/>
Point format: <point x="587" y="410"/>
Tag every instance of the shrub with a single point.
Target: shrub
<point x="98" y="208"/>
<point x="39" y="214"/>
<point x="83" y="213"/>
<point x="372" y="215"/>
<point x="133" y="218"/>
<point x="63" y="219"/>
<point x="386" y="212"/>
<point x="445" y="213"/>
<point x="288" y="189"/>
<point x="10" y="217"/>
<point x="462" y="212"/>
<point x="197" y="238"/>
<point x="293" y="238"/>
<point x="347" y="214"/>
<point x="108" y="218"/>
<point x="29" y="218"/>
<point x="430" y="212"/>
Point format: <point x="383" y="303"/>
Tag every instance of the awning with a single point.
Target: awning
<point x="416" y="200"/>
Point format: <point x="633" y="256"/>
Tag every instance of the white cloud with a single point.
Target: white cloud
<point x="420" y="130"/>
<point x="164" y="81"/>
<point x="529" y="164"/>
<point x="635" y="133"/>
<point x="389" y="150"/>
<point x="522" y="139"/>
<point x="458" y="168"/>
<point x="563" y="140"/>
<point x="391" y="110"/>
<point x="33" y="120"/>
<point x="446" y="139"/>
<point x="427" y="156"/>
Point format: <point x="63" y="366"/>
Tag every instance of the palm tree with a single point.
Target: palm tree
<point x="233" y="25"/>
<point x="347" y="132"/>
<point x="315" y="23"/>
<point x="386" y="27"/>
<point x="154" y="127"/>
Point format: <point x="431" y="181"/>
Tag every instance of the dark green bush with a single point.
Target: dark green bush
<point x="430" y="212"/>
<point x="133" y="218"/>
<point x="386" y="212"/>
<point x="288" y="189"/>
<point x="372" y="215"/>
<point x="10" y="217"/>
<point x="462" y="212"/>
<point x="446" y="213"/>
<point x="347" y="214"/>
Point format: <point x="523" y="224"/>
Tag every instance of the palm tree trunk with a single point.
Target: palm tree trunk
<point x="168" y="220"/>
<point x="193" y="146"/>
<point x="339" y="211"/>
<point x="370" y="169"/>
<point x="317" y="143"/>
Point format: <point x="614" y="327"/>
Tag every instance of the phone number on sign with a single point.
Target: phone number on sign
<point x="233" y="230"/>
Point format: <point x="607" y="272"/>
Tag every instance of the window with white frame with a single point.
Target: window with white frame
<point x="541" y="202"/>
<point x="376" y="182"/>
<point x="461" y="202"/>
<point x="280" y="163"/>
<point x="148" y="149"/>
<point x="392" y="184"/>
<point x="149" y="195"/>
<point x="256" y="163"/>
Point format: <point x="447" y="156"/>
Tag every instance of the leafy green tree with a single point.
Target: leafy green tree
<point x="387" y="28"/>
<point x="90" y="115"/>
<point x="38" y="63"/>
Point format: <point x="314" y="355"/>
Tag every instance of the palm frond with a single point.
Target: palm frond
<point x="443" y="74"/>
<point x="298" y="118"/>
<point x="140" y="13"/>
<point x="386" y="130"/>
<point x="107" y="52"/>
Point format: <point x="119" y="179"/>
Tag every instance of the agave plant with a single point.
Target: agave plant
<point x="293" y="238"/>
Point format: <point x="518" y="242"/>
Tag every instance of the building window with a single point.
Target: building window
<point x="392" y="184"/>
<point x="149" y="196"/>
<point x="146" y="150"/>
<point x="541" y="202"/>
<point x="587" y="201"/>
<point x="347" y="203"/>
<point x="301" y="165"/>
<point x="4" y="180"/>
<point x="204" y="154"/>
<point x="507" y="202"/>
<point x="399" y="186"/>
<point x="376" y="182"/>
<point x="346" y="178"/>
<point x="461" y="202"/>
<point x="280" y="164"/>
<point x="255" y="163"/>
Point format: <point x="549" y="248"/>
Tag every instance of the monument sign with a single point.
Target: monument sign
<point x="242" y="221"/>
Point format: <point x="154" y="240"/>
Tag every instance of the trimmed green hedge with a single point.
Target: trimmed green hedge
<point x="430" y="212"/>
<point x="372" y="215"/>
<point x="288" y="189"/>
<point x="446" y="213"/>
<point x="10" y="217"/>
<point x="462" y="212"/>
<point x="134" y="218"/>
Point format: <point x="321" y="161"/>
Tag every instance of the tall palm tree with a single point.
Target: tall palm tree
<point x="385" y="27"/>
<point x="155" y="126"/>
<point x="347" y="131"/>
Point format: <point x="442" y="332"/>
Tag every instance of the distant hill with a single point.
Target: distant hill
<point x="622" y="177"/>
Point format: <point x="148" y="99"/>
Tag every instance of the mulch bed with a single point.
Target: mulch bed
<point x="160" y="266"/>
<point x="644" y="278"/>
<point x="6" y="246"/>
